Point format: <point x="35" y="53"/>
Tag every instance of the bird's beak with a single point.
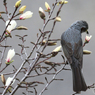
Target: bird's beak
<point x="87" y="32"/>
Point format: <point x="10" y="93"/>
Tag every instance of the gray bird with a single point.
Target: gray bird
<point x="72" y="46"/>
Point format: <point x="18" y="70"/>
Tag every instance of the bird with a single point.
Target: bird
<point x="72" y="46"/>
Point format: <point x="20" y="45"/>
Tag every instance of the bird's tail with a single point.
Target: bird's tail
<point x="78" y="80"/>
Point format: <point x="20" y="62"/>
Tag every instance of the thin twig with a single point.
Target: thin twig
<point x="3" y="52"/>
<point x="51" y="80"/>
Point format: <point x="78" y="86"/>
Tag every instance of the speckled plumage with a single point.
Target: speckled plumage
<point x="71" y="42"/>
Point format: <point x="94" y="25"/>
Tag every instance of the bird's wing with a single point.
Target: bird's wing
<point x="67" y="49"/>
<point x="78" y="52"/>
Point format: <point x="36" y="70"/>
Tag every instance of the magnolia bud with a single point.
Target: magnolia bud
<point x="21" y="28"/>
<point x="49" y="63"/>
<point x="62" y="1"/>
<point x="86" y="52"/>
<point x="11" y="26"/>
<point x="21" y="10"/>
<point x="47" y="7"/>
<point x="50" y="43"/>
<point x="58" y="19"/>
<point x="87" y="38"/>
<point x="3" y="79"/>
<point x="55" y="51"/>
<point x="10" y="55"/>
<point x="17" y="4"/>
<point x="65" y="2"/>
<point x="41" y="13"/>
<point x="26" y="15"/>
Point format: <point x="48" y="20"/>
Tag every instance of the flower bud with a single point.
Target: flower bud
<point x="87" y="38"/>
<point x="21" y="10"/>
<point x="86" y="52"/>
<point x="65" y="2"/>
<point x="55" y="51"/>
<point x="50" y="43"/>
<point x="26" y="15"/>
<point x="11" y="26"/>
<point x="17" y="4"/>
<point x="58" y="19"/>
<point x="41" y="13"/>
<point x="49" y="63"/>
<point x="3" y="79"/>
<point x="21" y="28"/>
<point x="62" y="1"/>
<point x="47" y="7"/>
<point x="9" y="79"/>
<point x="10" y="55"/>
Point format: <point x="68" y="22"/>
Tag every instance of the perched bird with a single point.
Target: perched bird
<point x="71" y="42"/>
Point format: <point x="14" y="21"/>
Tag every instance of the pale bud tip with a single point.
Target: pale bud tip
<point x="17" y="4"/>
<point x="57" y="49"/>
<point x="86" y="52"/>
<point x="58" y="19"/>
<point x="47" y="7"/>
<point x="21" y="10"/>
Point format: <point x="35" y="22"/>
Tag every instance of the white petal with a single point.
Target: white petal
<point x="57" y="49"/>
<point x="47" y="6"/>
<point x="10" y="54"/>
<point x="86" y="52"/>
<point x="41" y="10"/>
<point x="88" y="37"/>
<point x="9" y="79"/>
<point x="26" y="15"/>
<point x="11" y="26"/>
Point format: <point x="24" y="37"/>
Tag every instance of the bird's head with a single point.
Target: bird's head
<point x="81" y="25"/>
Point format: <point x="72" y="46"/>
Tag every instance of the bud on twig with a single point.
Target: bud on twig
<point x="11" y="26"/>
<point x="21" y="28"/>
<point x="47" y="7"/>
<point x="62" y="1"/>
<point x="17" y="4"/>
<point x="58" y="19"/>
<point x="50" y="43"/>
<point x="3" y="79"/>
<point x="87" y="38"/>
<point x="41" y="13"/>
<point x="49" y="63"/>
<point x="10" y="55"/>
<point x="55" y="51"/>
<point x="26" y="15"/>
<point x="86" y="52"/>
<point x="21" y="10"/>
